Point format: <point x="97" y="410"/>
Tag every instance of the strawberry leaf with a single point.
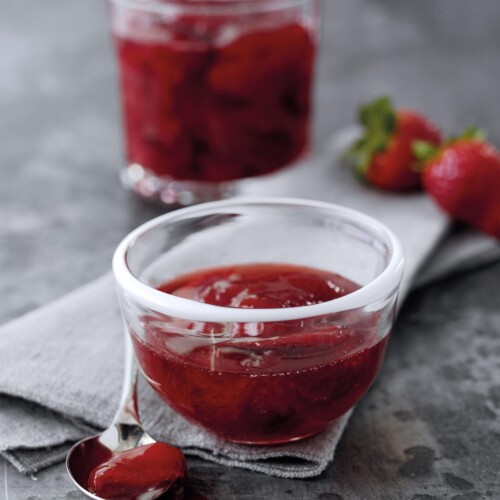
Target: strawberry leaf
<point x="378" y="119"/>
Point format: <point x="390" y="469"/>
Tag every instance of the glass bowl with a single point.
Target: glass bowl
<point x="260" y="375"/>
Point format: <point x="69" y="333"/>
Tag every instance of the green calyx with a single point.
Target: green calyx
<point x="425" y="151"/>
<point x="378" y="119"/>
<point x="471" y="133"/>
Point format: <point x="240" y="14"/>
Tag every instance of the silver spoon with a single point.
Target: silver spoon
<point x="125" y="433"/>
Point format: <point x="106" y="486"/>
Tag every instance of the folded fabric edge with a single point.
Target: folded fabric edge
<point x="26" y="461"/>
<point x="298" y="464"/>
<point x="304" y="469"/>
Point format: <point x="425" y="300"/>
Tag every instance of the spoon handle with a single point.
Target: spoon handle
<point x="127" y="412"/>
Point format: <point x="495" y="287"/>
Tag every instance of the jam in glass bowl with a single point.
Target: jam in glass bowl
<point x="213" y="91"/>
<point x="262" y="321"/>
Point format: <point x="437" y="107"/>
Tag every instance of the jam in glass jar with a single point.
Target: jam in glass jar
<point x="213" y="92"/>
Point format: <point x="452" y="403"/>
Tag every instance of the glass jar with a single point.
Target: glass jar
<point x="251" y="374"/>
<point x="213" y="91"/>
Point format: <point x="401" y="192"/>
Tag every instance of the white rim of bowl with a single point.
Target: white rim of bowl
<point x="179" y="307"/>
<point x="234" y="7"/>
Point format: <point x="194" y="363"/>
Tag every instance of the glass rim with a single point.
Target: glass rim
<point x="208" y="7"/>
<point x="377" y="289"/>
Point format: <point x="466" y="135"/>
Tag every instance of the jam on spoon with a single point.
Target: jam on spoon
<point x="155" y="467"/>
<point x="124" y="461"/>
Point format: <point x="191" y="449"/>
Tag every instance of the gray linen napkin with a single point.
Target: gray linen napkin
<point x="61" y="366"/>
<point x="64" y="365"/>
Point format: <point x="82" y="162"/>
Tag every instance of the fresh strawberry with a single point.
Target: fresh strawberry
<point x="384" y="156"/>
<point x="463" y="178"/>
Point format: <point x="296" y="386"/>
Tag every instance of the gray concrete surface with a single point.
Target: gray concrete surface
<point x="430" y="428"/>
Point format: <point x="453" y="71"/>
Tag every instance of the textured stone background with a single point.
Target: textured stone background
<point x="430" y="428"/>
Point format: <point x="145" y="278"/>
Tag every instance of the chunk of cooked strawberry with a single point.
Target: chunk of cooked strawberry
<point x="262" y="65"/>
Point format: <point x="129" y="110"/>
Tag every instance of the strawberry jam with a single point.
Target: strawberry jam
<point x="149" y="469"/>
<point x="265" y="382"/>
<point x="207" y="99"/>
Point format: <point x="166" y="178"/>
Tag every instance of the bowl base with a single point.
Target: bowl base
<point x="271" y="442"/>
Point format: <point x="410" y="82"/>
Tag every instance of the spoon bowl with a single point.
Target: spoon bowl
<point x="87" y="454"/>
<point x="123" y="435"/>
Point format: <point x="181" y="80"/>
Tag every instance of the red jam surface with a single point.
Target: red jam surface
<point x="151" y="468"/>
<point x="202" y="105"/>
<point x="261" y="382"/>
